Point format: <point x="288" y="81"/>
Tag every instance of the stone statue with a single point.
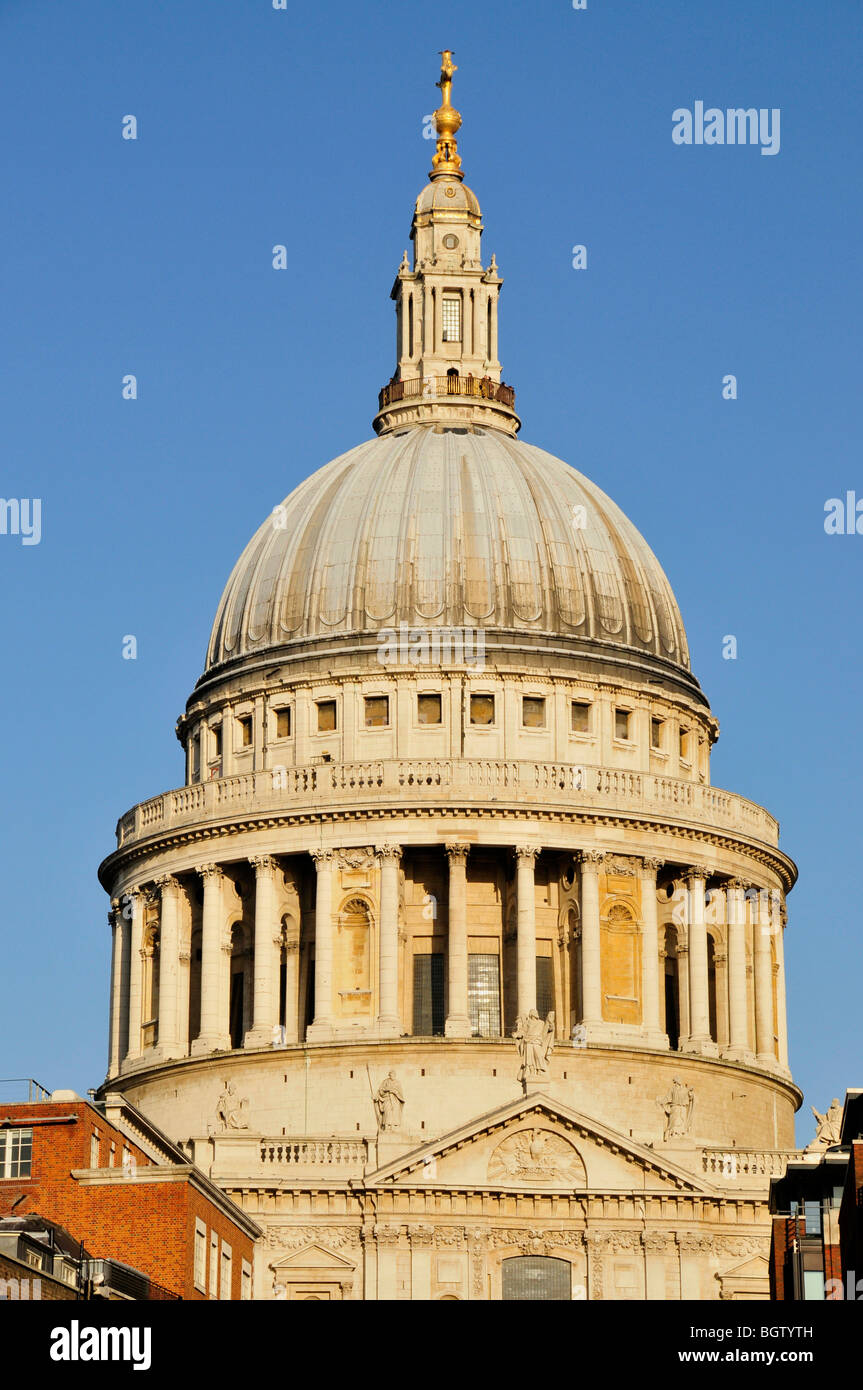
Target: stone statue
<point x="389" y="1102"/>
<point x="828" y="1127"/>
<point x="535" y="1041"/>
<point x="677" y="1107"/>
<point x="230" y="1112"/>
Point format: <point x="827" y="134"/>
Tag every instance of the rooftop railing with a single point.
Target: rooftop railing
<point x="436" y="386"/>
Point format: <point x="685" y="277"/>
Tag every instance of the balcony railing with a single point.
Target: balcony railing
<point x="392" y="783"/>
<point x="315" y="1153"/>
<point x="434" y="386"/>
<point x="747" y="1165"/>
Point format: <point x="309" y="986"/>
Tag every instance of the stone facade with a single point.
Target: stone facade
<point x="448" y="771"/>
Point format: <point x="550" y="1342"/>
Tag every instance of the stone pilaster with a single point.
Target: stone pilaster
<point x="458" y="1019"/>
<point x="136" y="972"/>
<point x="526" y="856"/>
<point x="389" y="1023"/>
<point x="591" y="961"/>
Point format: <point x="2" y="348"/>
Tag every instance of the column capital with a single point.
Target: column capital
<point x="389" y="850"/>
<point x="211" y="871"/>
<point x="735" y="885"/>
<point x="527" y="851"/>
<point x="322" y="857"/>
<point x="457" y="849"/>
<point x="590" y="859"/>
<point x="651" y="866"/>
<point x="697" y="871"/>
<point x="166" y="881"/>
<point x="263" y="863"/>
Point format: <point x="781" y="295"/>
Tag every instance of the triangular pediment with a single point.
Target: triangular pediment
<point x="756" y="1267"/>
<point x="312" y="1257"/>
<point x="538" y="1144"/>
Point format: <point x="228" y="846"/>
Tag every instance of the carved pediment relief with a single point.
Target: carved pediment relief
<point x="312" y="1257"/>
<point x="537" y="1156"/>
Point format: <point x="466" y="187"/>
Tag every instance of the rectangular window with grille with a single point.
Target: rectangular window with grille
<point x="533" y="712"/>
<point x="451" y="310"/>
<point x="483" y="992"/>
<point x="16" y="1153"/>
<point x="544" y="986"/>
<point x="429" y="1014"/>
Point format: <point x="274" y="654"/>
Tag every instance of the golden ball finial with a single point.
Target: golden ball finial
<point x="447" y="121"/>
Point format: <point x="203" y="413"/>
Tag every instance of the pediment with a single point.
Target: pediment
<point x="312" y="1257"/>
<point x="537" y="1144"/>
<point x="757" y="1267"/>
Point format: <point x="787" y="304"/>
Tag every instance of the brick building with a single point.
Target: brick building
<point x="817" y="1241"/>
<point x="114" y="1181"/>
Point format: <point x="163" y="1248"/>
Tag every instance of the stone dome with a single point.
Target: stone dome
<point x="447" y="195"/>
<point x="447" y="527"/>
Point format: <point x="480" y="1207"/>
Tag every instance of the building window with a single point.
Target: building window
<point x="94" y="1149"/>
<point x="213" y="1291"/>
<point x="377" y="711"/>
<point x="538" y="1278"/>
<point x="16" y="1153"/>
<point x="621" y="723"/>
<point x="482" y="709"/>
<point x="451" y="311"/>
<point x="429" y="709"/>
<point x="245" y="724"/>
<point x="200" y="1257"/>
<point x="533" y="712"/>
<point x="684" y="744"/>
<point x="112" y="1156"/>
<point x="217" y="741"/>
<point x="656" y="727"/>
<point x="227" y="1257"/>
<point x="283" y="723"/>
<point x="245" y="1281"/>
<point x="326" y="716"/>
<point x="580" y="717"/>
<point x="483" y="992"/>
<point x="812" y="1217"/>
<point x="450" y="242"/>
<point x="429" y="1015"/>
<point x="813" y="1286"/>
<point x="544" y="986"/>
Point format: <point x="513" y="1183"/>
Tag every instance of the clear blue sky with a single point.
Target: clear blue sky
<point x="304" y="127"/>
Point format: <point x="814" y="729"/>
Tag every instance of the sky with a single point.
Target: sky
<point x="303" y="126"/>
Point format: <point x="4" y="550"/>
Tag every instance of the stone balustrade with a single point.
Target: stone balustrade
<point x="557" y="786"/>
<point x="747" y="1164"/>
<point x="310" y="1152"/>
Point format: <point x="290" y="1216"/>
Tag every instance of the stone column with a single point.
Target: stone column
<point x="438" y="320"/>
<point x="214" y="1030"/>
<point x="650" y="952"/>
<point x="428" y="325"/>
<point x="738" y="1040"/>
<point x="292" y="990"/>
<point x="780" y="919"/>
<point x="699" y="1008"/>
<point x="118" y="1037"/>
<point x="458" y="1017"/>
<point x="763" y="979"/>
<point x="228" y="736"/>
<point x="323" y="1024"/>
<point x="525" y="856"/>
<point x="265" y="1006"/>
<point x="389" y="1024"/>
<point x="591" y="962"/>
<point x="136" y="972"/>
<point x="169" y="966"/>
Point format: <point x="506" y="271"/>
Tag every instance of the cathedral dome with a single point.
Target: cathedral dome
<point x="449" y="527"/>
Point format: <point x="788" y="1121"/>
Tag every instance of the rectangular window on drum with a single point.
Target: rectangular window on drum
<point x="377" y="710"/>
<point x="544" y="986"/>
<point x="580" y="717"/>
<point x="429" y="1015"/>
<point x="483" y="992"/>
<point x="451" y="312"/>
<point x="326" y="716"/>
<point x="429" y="709"/>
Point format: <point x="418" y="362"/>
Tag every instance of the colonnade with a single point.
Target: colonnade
<point x="174" y="976"/>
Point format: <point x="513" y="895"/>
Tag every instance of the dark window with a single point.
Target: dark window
<point x="533" y="712"/>
<point x="237" y="990"/>
<point x="377" y="711"/>
<point x="217" y="741"/>
<point x="429" y="995"/>
<point x="621" y="723"/>
<point x="656" y="733"/>
<point x="283" y="723"/>
<point x="580" y="717"/>
<point x="684" y="743"/>
<point x="483" y="988"/>
<point x="482" y="709"/>
<point x="326" y="716"/>
<point x="310" y="995"/>
<point x="429" y="709"/>
<point x="812" y="1216"/>
<point x="537" y="1278"/>
<point x="544" y="985"/>
<point x="245" y="730"/>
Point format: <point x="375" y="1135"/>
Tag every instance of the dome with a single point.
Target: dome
<point x="447" y="195"/>
<point x="446" y="527"/>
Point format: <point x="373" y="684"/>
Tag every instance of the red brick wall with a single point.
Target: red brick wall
<point x="148" y="1225"/>
<point x="50" y="1290"/>
<point x="784" y="1231"/>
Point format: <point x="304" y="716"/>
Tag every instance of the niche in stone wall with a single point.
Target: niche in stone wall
<point x="621" y="965"/>
<point x="353" y="959"/>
